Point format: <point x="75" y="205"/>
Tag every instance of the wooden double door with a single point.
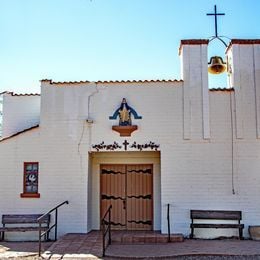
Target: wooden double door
<point x="128" y="188"/>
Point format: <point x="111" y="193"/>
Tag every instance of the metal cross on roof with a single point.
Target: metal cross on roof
<point x="216" y="24"/>
<point x="216" y="20"/>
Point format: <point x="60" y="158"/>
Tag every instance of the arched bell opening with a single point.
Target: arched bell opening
<point x="217" y="65"/>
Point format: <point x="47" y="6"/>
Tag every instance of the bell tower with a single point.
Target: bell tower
<point x="244" y="76"/>
<point x="194" y="72"/>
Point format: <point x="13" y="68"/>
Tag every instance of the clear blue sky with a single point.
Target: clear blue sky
<point x="72" y="40"/>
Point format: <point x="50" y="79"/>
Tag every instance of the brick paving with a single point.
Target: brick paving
<point x="141" y="237"/>
<point x="89" y="246"/>
<point x="188" y="248"/>
<point x="76" y="246"/>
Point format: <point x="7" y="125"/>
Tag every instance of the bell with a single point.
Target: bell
<point x="217" y="65"/>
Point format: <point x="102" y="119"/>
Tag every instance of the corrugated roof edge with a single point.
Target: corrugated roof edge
<point x="24" y="94"/>
<point x="221" y="89"/>
<point x="103" y="82"/>
<point x="110" y="81"/>
<point x="18" y="133"/>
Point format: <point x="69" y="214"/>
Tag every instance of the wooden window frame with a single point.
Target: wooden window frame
<point x="25" y="193"/>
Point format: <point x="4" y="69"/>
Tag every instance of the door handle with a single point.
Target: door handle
<point x="124" y="204"/>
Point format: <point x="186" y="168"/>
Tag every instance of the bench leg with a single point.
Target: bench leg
<point x="192" y="233"/>
<point x="3" y="236"/>
<point x="241" y="233"/>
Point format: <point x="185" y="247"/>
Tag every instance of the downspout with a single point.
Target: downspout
<point x="232" y="143"/>
<point x="88" y="120"/>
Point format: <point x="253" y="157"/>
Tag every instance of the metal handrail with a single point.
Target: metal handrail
<point x="46" y="232"/>
<point x="106" y="228"/>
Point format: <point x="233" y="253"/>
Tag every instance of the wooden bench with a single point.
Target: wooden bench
<point x="216" y="215"/>
<point x="24" y="223"/>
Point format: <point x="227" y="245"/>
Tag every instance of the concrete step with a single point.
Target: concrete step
<point x="143" y="237"/>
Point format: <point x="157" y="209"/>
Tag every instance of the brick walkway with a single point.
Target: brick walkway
<point x="78" y="246"/>
<point x="188" y="248"/>
<point x="89" y="246"/>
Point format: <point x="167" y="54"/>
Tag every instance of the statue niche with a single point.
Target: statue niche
<point x="125" y="112"/>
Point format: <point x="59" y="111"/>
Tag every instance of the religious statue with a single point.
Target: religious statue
<point x="124" y="114"/>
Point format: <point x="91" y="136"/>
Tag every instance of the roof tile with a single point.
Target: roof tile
<point x="222" y="89"/>
<point x="15" y="94"/>
<point x="111" y="81"/>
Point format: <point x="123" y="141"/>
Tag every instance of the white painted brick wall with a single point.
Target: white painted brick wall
<point x="195" y="173"/>
<point x="19" y="112"/>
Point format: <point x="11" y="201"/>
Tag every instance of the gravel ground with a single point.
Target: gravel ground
<point x="197" y="258"/>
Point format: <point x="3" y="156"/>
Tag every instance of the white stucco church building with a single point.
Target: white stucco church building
<point x="138" y="145"/>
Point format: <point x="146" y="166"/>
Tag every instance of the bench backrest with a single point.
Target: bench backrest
<point x="216" y="214"/>
<point x="24" y="219"/>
